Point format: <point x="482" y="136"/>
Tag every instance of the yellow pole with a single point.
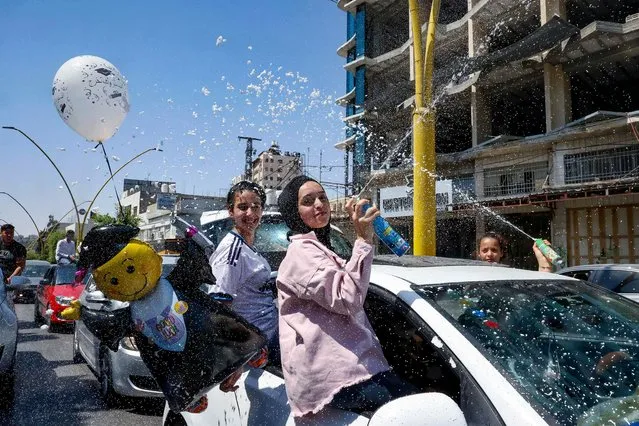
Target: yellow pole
<point x="424" y="205"/>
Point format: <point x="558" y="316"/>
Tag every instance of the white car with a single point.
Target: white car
<point x="270" y="237"/>
<point x="508" y="346"/>
<point x="122" y="373"/>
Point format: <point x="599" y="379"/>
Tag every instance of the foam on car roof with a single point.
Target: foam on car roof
<point x="426" y="261"/>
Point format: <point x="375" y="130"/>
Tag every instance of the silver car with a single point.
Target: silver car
<point x="620" y="278"/>
<point x="8" y="339"/>
<point x="121" y="373"/>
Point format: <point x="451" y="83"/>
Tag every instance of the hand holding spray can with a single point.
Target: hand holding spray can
<point x="388" y="235"/>
<point x="550" y="254"/>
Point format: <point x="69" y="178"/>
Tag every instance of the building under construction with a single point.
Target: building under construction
<point x="536" y="103"/>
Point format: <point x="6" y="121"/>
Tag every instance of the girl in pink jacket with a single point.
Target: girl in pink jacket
<point x="330" y="354"/>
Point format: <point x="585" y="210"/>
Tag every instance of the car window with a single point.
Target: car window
<point x="65" y="274"/>
<point x="613" y="279"/>
<point x="48" y="276"/>
<point x="631" y="284"/>
<point x="167" y="268"/>
<point x="216" y="230"/>
<point x="566" y="345"/>
<point x="583" y="275"/>
<point x="34" y="270"/>
<point x="418" y="355"/>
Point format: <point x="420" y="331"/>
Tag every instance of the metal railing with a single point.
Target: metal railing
<point x="605" y="164"/>
<point x="515" y="180"/>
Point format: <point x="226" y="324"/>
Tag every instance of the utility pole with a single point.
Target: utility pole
<point x="320" y="167"/>
<point x="424" y="206"/>
<point x="248" y="166"/>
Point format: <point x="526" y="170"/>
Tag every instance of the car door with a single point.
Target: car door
<point x="47" y="280"/>
<point x="88" y="344"/>
<point x="418" y="355"/>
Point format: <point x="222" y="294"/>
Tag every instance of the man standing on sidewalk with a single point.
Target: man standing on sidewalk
<point x="65" y="250"/>
<point x="13" y="255"/>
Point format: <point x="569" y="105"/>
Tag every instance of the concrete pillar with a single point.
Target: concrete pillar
<point x="480" y="111"/>
<point x="556" y="81"/>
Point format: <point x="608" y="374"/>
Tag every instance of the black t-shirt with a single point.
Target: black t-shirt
<point x="8" y="256"/>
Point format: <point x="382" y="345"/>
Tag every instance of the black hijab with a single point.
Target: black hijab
<point x="288" y="206"/>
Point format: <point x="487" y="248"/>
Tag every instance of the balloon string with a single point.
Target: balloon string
<point x="106" y="157"/>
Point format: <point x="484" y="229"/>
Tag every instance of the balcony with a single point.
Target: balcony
<point x="515" y="180"/>
<point x="602" y="165"/>
<point x="344" y="48"/>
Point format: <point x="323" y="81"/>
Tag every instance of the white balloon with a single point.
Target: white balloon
<point x="91" y="96"/>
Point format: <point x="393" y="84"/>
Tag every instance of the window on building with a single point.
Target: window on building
<point x="516" y="179"/>
<point x="601" y="165"/>
<point x="135" y="210"/>
<point x="279" y="161"/>
<point x="463" y="188"/>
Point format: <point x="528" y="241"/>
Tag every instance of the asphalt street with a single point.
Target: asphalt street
<point x="52" y="390"/>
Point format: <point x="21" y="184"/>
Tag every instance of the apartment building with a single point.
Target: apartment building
<point x="273" y="169"/>
<point x="536" y="106"/>
<point x="155" y="202"/>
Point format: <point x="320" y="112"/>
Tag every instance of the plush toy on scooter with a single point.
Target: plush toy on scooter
<point x="189" y="341"/>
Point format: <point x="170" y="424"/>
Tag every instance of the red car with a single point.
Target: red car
<point x="54" y="293"/>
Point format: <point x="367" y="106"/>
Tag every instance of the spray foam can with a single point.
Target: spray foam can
<point x="549" y="253"/>
<point x="388" y="235"/>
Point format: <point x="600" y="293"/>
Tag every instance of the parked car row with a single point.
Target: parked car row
<point x="499" y="345"/>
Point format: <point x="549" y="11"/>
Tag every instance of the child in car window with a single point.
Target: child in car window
<point x="492" y="248"/>
<point x="330" y="353"/>
<point x="243" y="272"/>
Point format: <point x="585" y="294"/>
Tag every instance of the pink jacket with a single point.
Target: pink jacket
<point x="326" y="340"/>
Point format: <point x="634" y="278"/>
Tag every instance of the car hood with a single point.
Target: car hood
<point x="68" y="290"/>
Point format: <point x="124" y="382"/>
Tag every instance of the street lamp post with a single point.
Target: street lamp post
<point x="75" y="205"/>
<point x="54" y="165"/>
<point x="81" y="230"/>
<point x="27" y="212"/>
<point x="424" y="204"/>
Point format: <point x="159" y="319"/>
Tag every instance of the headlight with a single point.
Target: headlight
<point x="64" y="300"/>
<point x="128" y="342"/>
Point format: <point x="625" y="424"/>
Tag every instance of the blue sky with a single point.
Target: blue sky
<point x="273" y="75"/>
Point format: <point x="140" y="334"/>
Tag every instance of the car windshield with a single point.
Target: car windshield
<point x="167" y="268"/>
<point x="35" y="270"/>
<point x="271" y="238"/>
<point x="571" y="349"/>
<point x="65" y="274"/>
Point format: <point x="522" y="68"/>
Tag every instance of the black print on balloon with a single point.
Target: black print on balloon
<point x="103" y="71"/>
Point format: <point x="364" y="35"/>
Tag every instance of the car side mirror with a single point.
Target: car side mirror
<point x="432" y="408"/>
<point x="44" y="282"/>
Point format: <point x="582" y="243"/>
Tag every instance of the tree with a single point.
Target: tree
<point x="123" y="217"/>
<point x="51" y="242"/>
<point x="102" y="219"/>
